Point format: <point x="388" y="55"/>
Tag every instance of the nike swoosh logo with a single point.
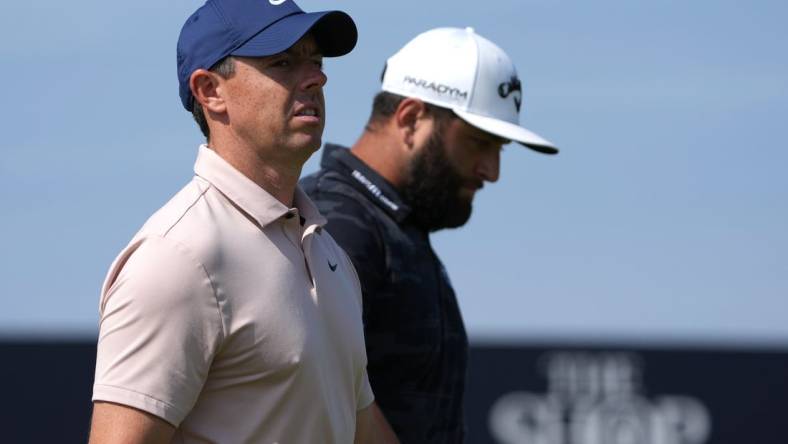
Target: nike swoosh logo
<point x="332" y="267"/>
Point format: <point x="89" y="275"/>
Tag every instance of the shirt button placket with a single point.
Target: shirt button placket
<point x="307" y="237"/>
<point x="293" y="229"/>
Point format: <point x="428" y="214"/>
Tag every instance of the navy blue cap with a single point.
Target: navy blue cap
<point x="255" y="28"/>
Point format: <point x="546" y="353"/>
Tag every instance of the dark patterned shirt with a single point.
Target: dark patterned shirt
<point x="416" y="342"/>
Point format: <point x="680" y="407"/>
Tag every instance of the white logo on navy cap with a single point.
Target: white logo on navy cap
<point x="276" y="2"/>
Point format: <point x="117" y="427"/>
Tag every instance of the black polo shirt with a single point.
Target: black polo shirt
<point x="416" y="342"/>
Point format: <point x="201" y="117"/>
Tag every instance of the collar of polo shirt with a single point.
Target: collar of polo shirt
<point x="255" y="201"/>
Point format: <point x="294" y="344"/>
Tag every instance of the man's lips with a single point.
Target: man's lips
<point x="474" y="185"/>
<point x="308" y="110"/>
<point x="470" y="188"/>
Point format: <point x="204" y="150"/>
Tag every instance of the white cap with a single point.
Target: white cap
<point x="458" y="69"/>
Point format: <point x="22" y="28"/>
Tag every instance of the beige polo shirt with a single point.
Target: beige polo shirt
<point x="235" y="319"/>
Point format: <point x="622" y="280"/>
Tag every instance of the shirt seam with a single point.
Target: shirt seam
<point x="202" y="266"/>
<point x="126" y="389"/>
<point x="188" y="251"/>
<point x="185" y="211"/>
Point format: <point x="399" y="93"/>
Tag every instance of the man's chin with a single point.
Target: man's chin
<point x="308" y="142"/>
<point x="456" y="217"/>
<point x="466" y="194"/>
<point x="300" y="149"/>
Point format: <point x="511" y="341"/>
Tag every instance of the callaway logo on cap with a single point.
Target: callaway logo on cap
<point x="458" y="69"/>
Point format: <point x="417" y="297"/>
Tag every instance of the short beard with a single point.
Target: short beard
<point x="432" y="188"/>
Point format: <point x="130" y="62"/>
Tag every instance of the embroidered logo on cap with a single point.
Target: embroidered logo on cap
<point x="438" y="88"/>
<point x="276" y="2"/>
<point x="507" y="88"/>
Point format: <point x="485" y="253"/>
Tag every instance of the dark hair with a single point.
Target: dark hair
<point x="225" y="68"/>
<point x="385" y="104"/>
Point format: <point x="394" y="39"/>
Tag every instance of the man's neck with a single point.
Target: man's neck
<point x="278" y="177"/>
<point x="373" y="150"/>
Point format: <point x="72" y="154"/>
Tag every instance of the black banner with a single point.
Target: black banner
<point x="548" y="394"/>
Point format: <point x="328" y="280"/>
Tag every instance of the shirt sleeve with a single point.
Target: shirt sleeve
<point x="160" y="327"/>
<point x="365" y="394"/>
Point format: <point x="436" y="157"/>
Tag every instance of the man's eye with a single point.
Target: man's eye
<point x="482" y="143"/>
<point x="281" y="63"/>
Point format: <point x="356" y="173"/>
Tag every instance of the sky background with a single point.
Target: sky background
<point x="663" y="220"/>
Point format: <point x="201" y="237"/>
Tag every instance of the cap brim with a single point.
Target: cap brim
<point x="334" y="31"/>
<point x="507" y="130"/>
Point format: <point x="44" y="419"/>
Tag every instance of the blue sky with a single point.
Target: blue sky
<point x="662" y="220"/>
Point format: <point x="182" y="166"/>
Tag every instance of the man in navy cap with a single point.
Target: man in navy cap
<point x="232" y="316"/>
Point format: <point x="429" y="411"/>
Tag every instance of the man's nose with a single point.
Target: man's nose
<point x="488" y="168"/>
<point x="313" y="76"/>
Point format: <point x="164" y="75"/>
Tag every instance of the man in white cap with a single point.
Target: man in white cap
<point x="232" y="316"/>
<point x="451" y="99"/>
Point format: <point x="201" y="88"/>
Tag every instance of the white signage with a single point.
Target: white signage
<point x="597" y="398"/>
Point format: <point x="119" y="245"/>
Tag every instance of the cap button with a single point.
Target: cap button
<point x="470" y="30"/>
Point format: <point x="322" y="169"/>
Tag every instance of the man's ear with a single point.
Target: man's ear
<point x="206" y="88"/>
<point x="408" y="118"/>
